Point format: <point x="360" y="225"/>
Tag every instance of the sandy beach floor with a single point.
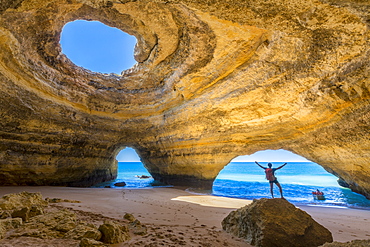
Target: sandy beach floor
<point x="175" y="217"/>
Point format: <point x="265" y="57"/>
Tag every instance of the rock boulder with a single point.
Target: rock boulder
<point x="114" y="232"/>
<point x="23" y="205"/>
<point x="21" y="200"/>
<point x="120" y="184"/>
<point x="276" y="222"/>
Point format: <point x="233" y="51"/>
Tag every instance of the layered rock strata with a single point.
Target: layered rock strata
<point x="214" y="80"/>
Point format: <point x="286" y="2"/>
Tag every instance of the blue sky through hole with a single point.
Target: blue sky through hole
<point x="98" y="47"/>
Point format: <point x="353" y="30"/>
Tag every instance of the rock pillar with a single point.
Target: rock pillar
<point x="185" y="169"/>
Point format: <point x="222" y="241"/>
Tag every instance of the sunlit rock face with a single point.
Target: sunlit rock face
<point x="214" y="80"/>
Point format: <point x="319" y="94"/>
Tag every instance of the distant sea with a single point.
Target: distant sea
<point x="247" y="181"/>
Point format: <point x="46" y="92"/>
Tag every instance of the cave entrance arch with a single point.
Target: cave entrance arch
<point x="242" y="178"/>
<point x="130" y="169"/>
<point x="98" y="47"/>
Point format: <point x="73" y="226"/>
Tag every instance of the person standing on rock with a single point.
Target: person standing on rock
<point x="270" y="176"/>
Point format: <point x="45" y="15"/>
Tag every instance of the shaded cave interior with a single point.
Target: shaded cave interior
<point x="80" y="28"/>
<point x="207" y="185"/>
<point x="88" y="114"/>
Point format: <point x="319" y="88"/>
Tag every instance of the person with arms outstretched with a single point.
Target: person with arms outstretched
<point x="270" y="176"/>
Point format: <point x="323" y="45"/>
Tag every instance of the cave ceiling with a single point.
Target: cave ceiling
<point x="213" y="80"/>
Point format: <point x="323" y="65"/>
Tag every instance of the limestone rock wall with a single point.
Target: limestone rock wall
<point x="214" y="80"/>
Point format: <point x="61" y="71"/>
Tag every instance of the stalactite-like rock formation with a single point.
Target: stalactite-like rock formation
<point x="214" y="80"/>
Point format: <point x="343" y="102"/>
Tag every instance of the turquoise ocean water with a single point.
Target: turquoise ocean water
<point x="246" y="180"/>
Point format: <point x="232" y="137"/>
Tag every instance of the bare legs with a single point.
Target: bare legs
<point x="281" y="190"/>
<point x="272" y="189"/>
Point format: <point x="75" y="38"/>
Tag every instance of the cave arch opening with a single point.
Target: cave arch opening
<point x="98" y="47"/>
<point x="131" y="171"/>
<point x="242" y="178"/>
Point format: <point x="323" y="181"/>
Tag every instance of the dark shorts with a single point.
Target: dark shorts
<point x="274" y="181"/>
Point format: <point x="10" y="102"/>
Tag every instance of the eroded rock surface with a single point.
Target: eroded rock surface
<point x="276" y="222"/>
<point x="59" y="223"/>
<point x="113" y="232"/>
<point x="23" y="205"/>
<point x="214" y="80"/>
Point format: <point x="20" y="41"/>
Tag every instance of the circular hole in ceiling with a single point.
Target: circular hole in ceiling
<point x="98" y="47"/>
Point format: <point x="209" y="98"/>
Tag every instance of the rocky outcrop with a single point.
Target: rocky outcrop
<point x="214" y="80"/>
<point x="23" y="205"/>
<point x="113" y="233"/>
<point x="20" y="200"/>
<point x="8" y="224"/>
<point x="276" y="222"/>
<point x="84" y="231"/>
<point x="135" y="225"/>
<point x="120" y="184"/>
<point x="61" y="223"/>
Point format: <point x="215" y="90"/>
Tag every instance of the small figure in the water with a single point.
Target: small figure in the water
<point x="318" y="195"/>
<point x="270" y="176"/>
